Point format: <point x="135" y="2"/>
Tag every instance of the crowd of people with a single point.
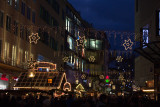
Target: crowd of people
<point x="70" y="100"/>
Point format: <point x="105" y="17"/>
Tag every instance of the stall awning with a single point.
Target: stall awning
<point x="151" y="51"/>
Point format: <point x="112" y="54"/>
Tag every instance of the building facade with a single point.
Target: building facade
<point x="88" y="60"/>
<point x="18" y="20"/>
<point x="147" y="18"/>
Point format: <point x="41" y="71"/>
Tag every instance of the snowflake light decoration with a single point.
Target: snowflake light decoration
<point x="119" y="59"/>
<point x="34" y="38"/>
<point x="83" y="76"/>
<point x="91" y="59"/>
<point x="81" y="41"/>
<point x="61" y="69"/>
<point x="128" y="44"/>
<point x="65" y="59"/>
<point x="31" y="63"/>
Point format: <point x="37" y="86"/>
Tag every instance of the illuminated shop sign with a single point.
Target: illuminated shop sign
<point x="3" y="77"/>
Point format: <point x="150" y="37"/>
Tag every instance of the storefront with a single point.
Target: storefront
<point x="4" y="81"/>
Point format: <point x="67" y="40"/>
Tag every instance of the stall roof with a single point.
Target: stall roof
<point x="40" y="81"/>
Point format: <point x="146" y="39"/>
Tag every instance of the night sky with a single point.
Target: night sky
<point x="117" y="15"/>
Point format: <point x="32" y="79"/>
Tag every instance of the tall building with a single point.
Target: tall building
<point x="18" y="20"/>
<point x="89" y="58"/>
<point x="147" y="29"/>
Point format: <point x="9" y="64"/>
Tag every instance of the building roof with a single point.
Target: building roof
<point x="151" y="51"/>
<point x="40" y="80"/>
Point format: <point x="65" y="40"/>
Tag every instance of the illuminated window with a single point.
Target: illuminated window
<point x="9" y="2"/>
<point x="145" y="37"/>
<point x="68" y="24"/>
<point x="50" y="81"/>
<point x="16" y="4"/>
<point x="20" y="55"/>
<point x="94" y="44"/>
<point x="14" y="55"/>
<point x="70" y="42"/>
<point x="6" y="51"/>
<point x="26" y="56"/>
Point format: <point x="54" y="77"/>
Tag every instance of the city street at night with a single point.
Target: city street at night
<point x="80" y="53"/>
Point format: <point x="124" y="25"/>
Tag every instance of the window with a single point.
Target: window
<point x="9" y="2"/>
<point x="68" y="25"/>
<point x="145" y="36"/>
<point x="94" y="44"/>
<point x="28" y="13"/>
<point x="15" y="28"/>
<point x="6" y="51"/>
<point x="26" y="56"/>
<point x="23" y="8"/>
<point x="70" y="41"/>
<point x="21" y="32"/>
<point x="14" y="50"/>
<point x="136" y="5"/>
<point x="33" y="17"/>
<point x="27" y="34"/>
<point x="20" y="55"/>
<point x="1" y="19"/>
<point x="16" y="4"/>
<point x="8" y="23"/>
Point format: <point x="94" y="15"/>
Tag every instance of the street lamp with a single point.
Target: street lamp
<point x="31" y="75"/>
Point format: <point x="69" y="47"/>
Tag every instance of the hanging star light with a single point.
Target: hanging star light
<point x="128" y="44"/>
<point x="81" y="41"/>
<point x="119" y="59"/>
<point x="34" y="38"/>
<point x="65" y="59"/>
<point x="91" y="59"/>
<point x="83" y="76"/>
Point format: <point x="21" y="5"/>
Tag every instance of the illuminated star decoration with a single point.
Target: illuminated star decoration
<point x="31" y="63"/>
<point x="65" y="59"/>
<point x="91" y="59"/>
<point x="34" y="38"/>
<point x="61" y="69"/>
<point x="119" y="59"/>
<point x="81" y="41"/>
<point x="101" y="77"/>
<point x="128" y="44"/>
<point x="83" y="76"/>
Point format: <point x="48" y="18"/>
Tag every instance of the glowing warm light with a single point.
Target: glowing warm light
<point x="50" y="81"/>
<point x="149" y="90"/>
<point x="45" y="65"/>
<point x="67" y="88"/>
<point x="31" y="75"/>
